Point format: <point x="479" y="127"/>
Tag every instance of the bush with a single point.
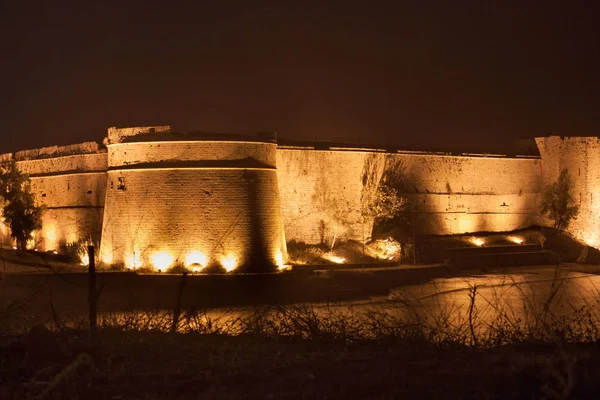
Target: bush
<point x="20" y="212"/>
<point x="558" y="203"/>
<point x="78" y="251"/>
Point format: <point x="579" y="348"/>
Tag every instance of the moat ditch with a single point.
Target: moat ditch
<point x="419" y="295"/>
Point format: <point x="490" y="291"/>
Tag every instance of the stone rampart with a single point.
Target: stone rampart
<point x="71" y="188"/>
<point x="321" y="191"/>
<point x="151" y="193"/>
<point x="59" y="151"/>
<point x="80" y="163"/>
<point x="257" y="153"/>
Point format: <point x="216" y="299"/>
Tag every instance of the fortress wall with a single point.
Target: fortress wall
<point x="64" y="164"/>
<point x="225" y="198"/>
<point x="58" y="151"/>
<point x="321" y="191"/>
<point x="72" y="190"/>
<point x="181" y="151"/>
<point x="225" y="210"/>
<point x="69" y="225"/>
<point x="74" y="205"/>
<point x="581" y="156"/>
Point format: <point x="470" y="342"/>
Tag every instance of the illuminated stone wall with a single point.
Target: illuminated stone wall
<point x="321" y="191"/>
<point x="70" y="182"/>
<point x="72" y="189"/>
<point x="213" y="201"/>
<point x="581" y="156"/>
<point x="254" y="153"/>
<point x="148" y="193"/>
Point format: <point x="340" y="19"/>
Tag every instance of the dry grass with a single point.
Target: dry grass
<point x="482" y="347"/>
<point x="351" y="252"/>
<point x="323" y="359"/>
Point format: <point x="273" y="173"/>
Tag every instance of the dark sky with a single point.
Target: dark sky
<point x="433" y="73"/>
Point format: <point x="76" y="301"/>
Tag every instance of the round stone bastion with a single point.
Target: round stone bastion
<point x="202" y="203"/>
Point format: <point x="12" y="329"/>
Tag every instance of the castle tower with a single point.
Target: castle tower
<point x="581" y="157"/>
<point x="192" y="200"/>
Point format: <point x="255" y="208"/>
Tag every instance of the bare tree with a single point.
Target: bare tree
<point x="558" y="203"/>
<point x="380" y="205"/>
<point x="383" y="204"/>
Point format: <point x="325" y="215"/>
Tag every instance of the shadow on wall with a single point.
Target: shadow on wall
<point x="324" y="193"/>
<point x="417" y="216"/>
<point x="257" y="260"/>
<point x="343" y="217"/>
<point x="438" y="213"/>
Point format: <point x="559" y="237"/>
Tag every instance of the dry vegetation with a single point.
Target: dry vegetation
<point x="483" y="348"/>
<point x="345" y="252"/>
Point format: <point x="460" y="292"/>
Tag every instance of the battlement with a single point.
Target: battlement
<point x="198" y="136"/>
<point x="118" y="135"/>
<point x="55" y="151"/>
<point x="374" y="149"/>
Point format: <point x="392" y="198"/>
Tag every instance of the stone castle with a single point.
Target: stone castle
<point x="154" y="197"/>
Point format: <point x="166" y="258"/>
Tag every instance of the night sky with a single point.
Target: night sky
<point x="459" y="74"/>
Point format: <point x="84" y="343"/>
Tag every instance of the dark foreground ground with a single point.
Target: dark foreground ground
<point x="124" y="363"/>
<point x="144" y="364"/>
<point x="123" y="291"/>
<point x="161" y="366"/>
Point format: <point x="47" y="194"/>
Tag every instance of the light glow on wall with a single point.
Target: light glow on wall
<point x="516" y="239"/>
<point x="161" y="260"/>
<point x="229" y="263"/>
<point x="477" y="241"/>
<point x="196" y="258"/>
<point x="591" y="240"/>
<point x="71" y="237"/>
<point x="279" y="260"/>
<point x="50" y="235"/>
<point x="106" y="257"/>
<point x="84" y="257"/>
<point x="466" y="223"/>
<point x="333" y="258"/>
<point x="134" y="260"/>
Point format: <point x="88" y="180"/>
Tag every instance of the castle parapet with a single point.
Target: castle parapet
<point x="117" y="135"/>
<point x="59" y="151"/>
